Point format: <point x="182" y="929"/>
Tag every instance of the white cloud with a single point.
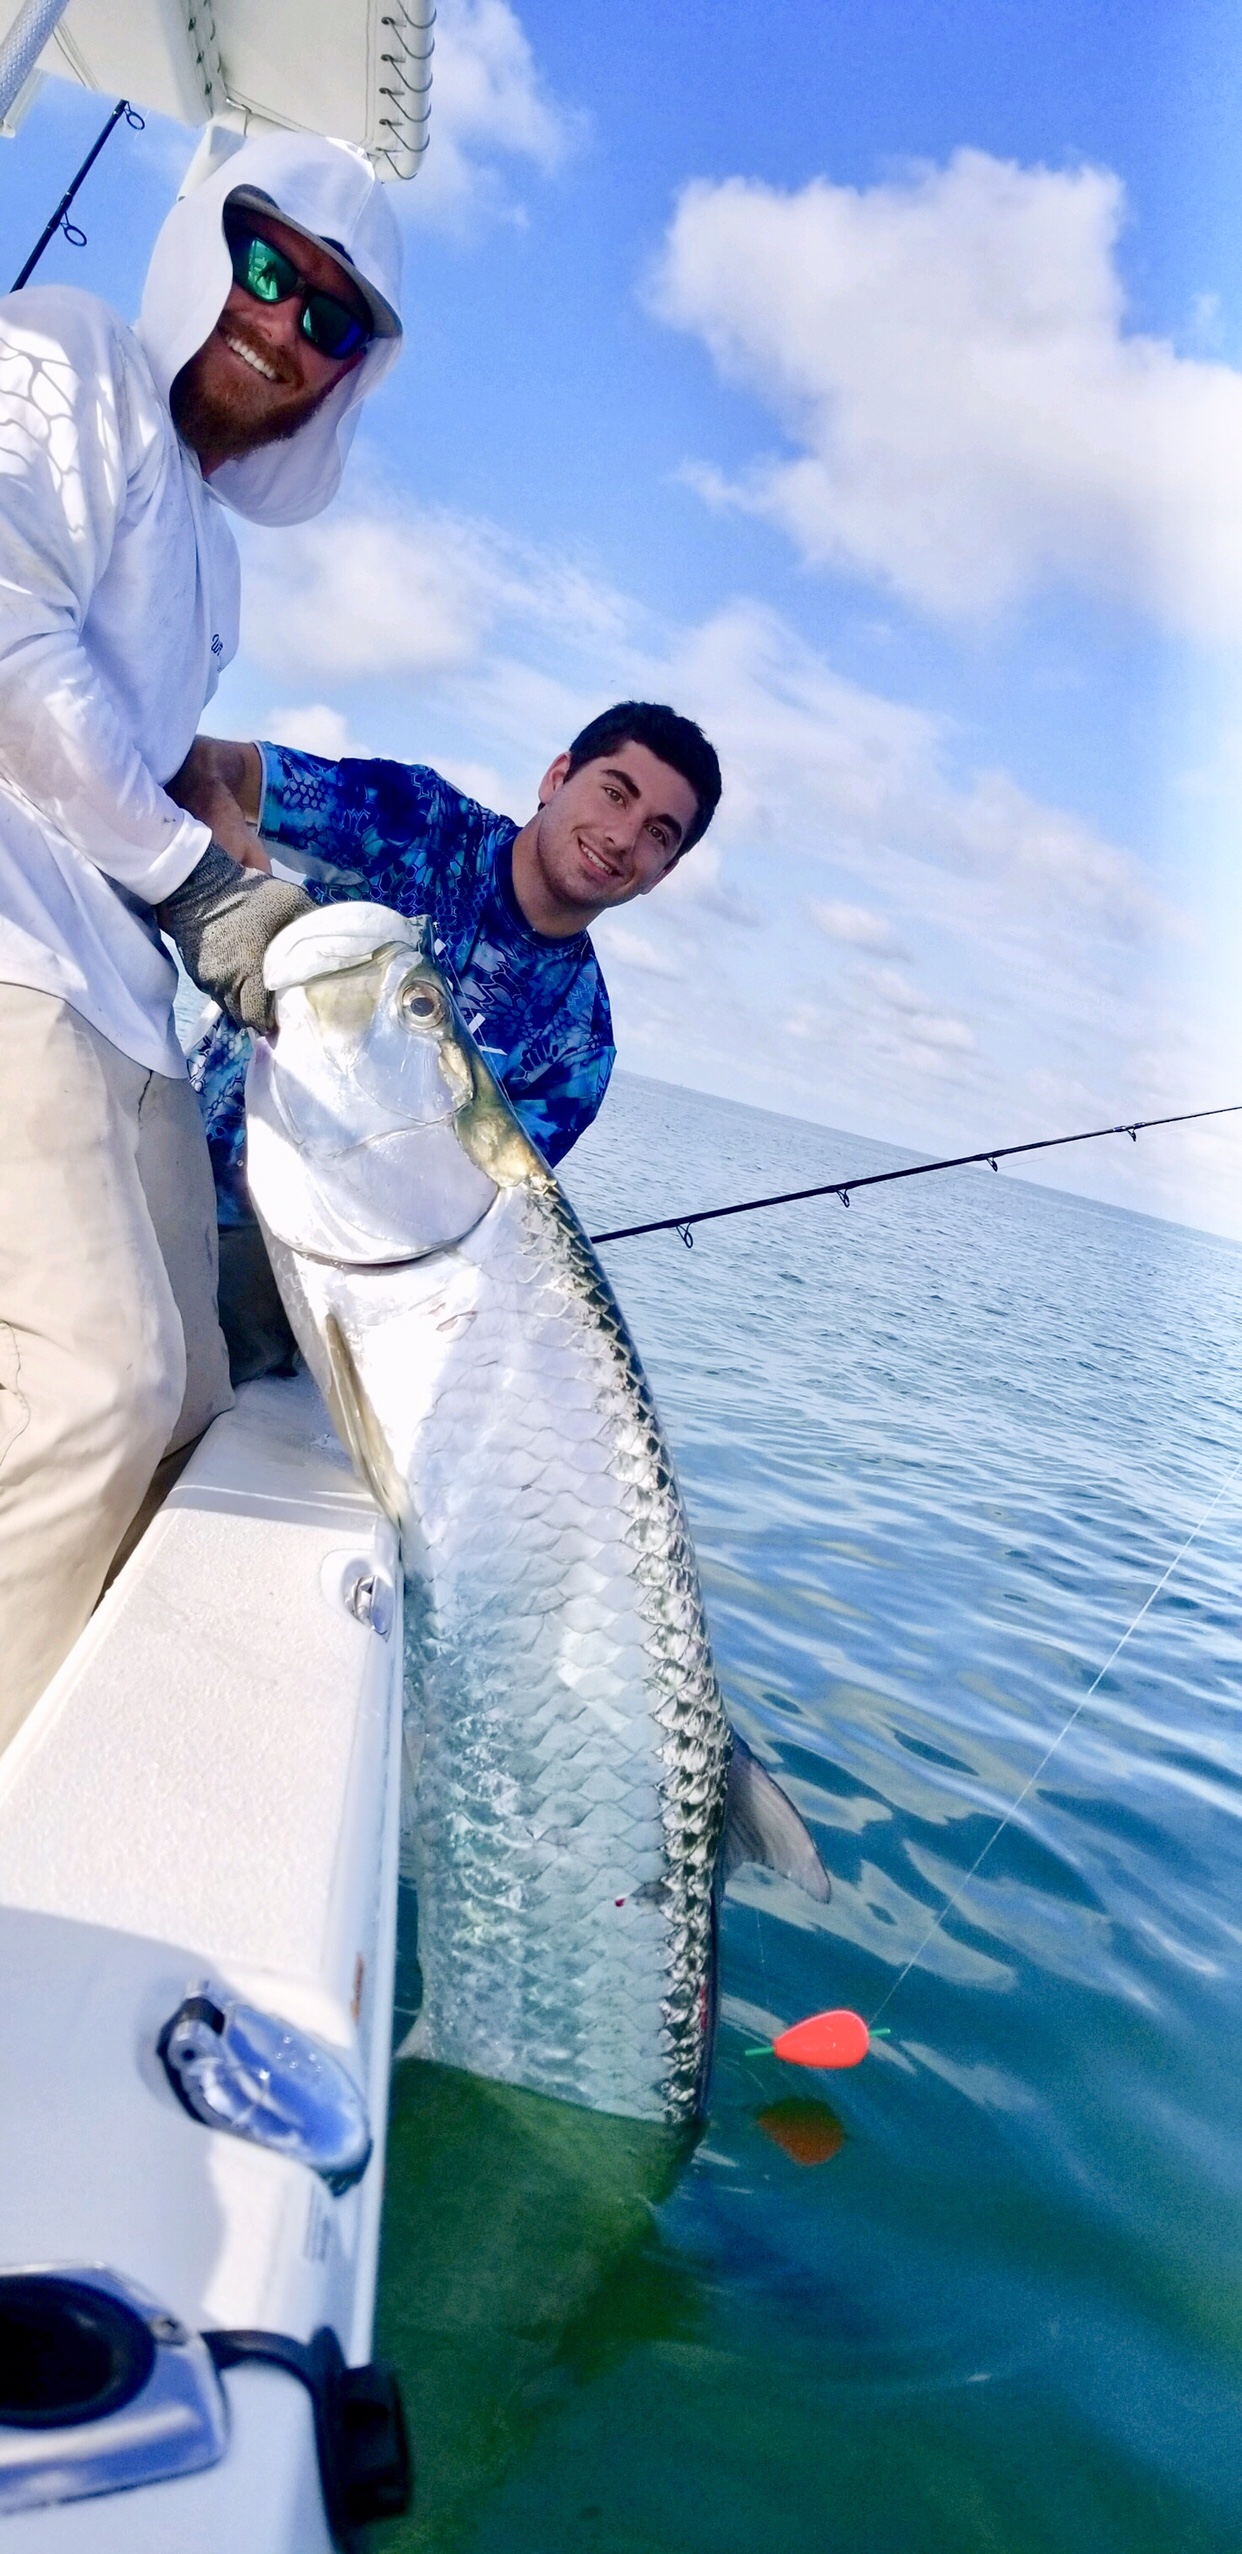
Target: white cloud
<point x="491" y="787"/>
<point x="895" y="1036"/>
<point x="615" y="940"/>
<point x="853" y="925"/>
<point x="845" y="777"/>
<point x="896" y="995"/>
<point x="386" y="590"/>
<point x="488" y="103"/>
<point x="870" y="935"/>
<point x="313" y="729"/>
<point x="948" y="353"/>
<point x="823" y="779"/>
<point x="696" y="886"/>
<point x="355" y="594"/>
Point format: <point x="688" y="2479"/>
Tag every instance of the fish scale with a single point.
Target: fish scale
<point x="563" y="1709"/>
<point x="568" y="1752"/>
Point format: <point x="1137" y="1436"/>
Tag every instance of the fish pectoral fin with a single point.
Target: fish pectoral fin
<point x="356" y="1423"/>
<point x="762" y="1825"/>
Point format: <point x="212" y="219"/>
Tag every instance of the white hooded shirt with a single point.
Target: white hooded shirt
<point x="119" y="584"/>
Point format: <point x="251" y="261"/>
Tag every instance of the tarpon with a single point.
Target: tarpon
<point x="522" y="2251"/>
<point x="576" y="1797"/>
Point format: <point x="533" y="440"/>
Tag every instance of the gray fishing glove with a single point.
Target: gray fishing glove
<point x="222" y="919"/>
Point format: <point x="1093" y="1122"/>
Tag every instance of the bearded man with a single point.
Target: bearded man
<point x="269" y="313"/>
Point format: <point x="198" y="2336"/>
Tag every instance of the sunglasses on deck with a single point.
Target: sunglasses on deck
<point x="269" y="276"/>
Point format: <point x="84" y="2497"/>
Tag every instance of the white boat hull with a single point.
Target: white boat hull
<point x="208" y="1792"/>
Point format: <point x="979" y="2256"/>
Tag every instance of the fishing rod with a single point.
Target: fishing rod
<point x="1133" y="1127"/>
<point x="60" y="219"/>
<point x="841" y="2038"/>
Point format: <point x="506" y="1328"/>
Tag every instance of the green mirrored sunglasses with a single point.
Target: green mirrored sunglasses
<point x="269" y="276"/>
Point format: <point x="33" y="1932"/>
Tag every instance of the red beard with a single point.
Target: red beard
<point x="230" y="410"/>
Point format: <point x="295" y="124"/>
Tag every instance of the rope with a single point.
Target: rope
<point x="1049" y="1752"/>
<point x="841" y="1188"/>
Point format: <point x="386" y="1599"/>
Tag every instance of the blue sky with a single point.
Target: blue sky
<point x="867" y="378"/>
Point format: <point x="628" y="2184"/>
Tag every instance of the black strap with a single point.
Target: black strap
<point x="360" y="2435"/>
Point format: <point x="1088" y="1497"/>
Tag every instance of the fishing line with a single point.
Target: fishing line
<point x="764" y="2048"/>
<point x="1133" y="1127"/>
<point x="841" y="2038"/>
<point x="1049" y="1752"/>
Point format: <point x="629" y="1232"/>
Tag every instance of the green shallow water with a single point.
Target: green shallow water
<point x="937" y="1452"/>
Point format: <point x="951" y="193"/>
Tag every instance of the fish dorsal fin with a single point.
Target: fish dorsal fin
<point x="762" y="1825"/>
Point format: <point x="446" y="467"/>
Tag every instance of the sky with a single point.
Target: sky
<point x="864" y="377"/>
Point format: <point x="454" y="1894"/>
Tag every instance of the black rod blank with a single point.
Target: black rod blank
<point x="122" y="108"/>
<point x="994" y="1153"/>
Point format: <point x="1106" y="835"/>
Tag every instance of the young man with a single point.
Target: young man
<point x="269" y="313"/>
<point x="511" y="909"/>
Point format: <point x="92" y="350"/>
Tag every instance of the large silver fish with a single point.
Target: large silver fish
<point x="572" y="1769"/>
<point x="521" y="2255"/>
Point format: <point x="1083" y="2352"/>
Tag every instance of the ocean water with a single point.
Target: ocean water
<point x="982" y="2294"/>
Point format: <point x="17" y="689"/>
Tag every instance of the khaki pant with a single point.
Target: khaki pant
<point x="110" y="1351"/>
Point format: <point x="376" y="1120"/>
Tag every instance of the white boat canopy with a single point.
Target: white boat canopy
<point x="357" y="69"/>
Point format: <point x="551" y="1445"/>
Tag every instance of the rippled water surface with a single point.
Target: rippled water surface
<point x="984" y="2292"/>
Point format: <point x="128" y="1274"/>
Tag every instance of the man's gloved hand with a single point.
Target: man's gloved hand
<point x="222" y="919"/>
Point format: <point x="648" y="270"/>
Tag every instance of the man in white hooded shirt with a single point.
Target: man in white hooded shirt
<point x="268" y="315"/>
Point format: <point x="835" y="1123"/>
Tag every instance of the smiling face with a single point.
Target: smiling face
<point x="258" y="378"/>
<point x="603" y="835"/>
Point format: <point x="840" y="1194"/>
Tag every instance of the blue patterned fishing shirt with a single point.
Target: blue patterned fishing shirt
<point x="397" y="834"/>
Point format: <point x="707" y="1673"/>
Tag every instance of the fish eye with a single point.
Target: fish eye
<point x="422" y="1004"/>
